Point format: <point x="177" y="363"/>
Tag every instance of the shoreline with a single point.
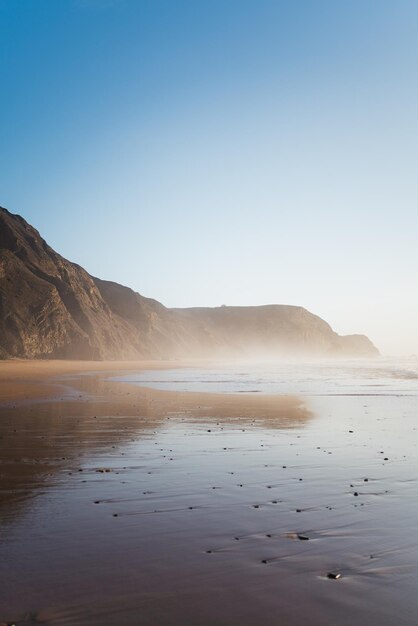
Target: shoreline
<point x="29" y="381"/>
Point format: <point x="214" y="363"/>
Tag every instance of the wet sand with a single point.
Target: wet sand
<point x="126" y="505"/>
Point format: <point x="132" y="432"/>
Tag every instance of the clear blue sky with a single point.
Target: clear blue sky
<point x="231" y="151"/>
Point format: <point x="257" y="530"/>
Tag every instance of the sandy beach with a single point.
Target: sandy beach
<point x="124" y="504"/>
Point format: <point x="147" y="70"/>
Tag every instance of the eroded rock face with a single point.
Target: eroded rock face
<point x="52" y="308"/>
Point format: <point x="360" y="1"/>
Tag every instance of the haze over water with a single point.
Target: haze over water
<point x="379" y="376"/>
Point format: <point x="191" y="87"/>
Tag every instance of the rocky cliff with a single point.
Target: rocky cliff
<point x="52" y="308"/>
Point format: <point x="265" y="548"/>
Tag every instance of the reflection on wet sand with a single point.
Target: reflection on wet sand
<point x="37" y="440"/>
<point x="129" y="506"/>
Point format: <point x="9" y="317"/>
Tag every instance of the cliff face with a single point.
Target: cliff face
<point x="52" y="308"/>
<point x="266" y="331"/>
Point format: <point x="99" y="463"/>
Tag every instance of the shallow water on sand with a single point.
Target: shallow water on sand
<point x="383" y="376"/>
<point x="134" y="517"/>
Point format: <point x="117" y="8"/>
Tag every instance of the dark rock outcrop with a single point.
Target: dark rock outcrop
<point x="52" y="308"/>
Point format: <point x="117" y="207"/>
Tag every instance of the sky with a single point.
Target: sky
<point x="208" y="152"/>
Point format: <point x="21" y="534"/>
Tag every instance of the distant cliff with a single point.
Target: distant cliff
<point x="52" y="308"/>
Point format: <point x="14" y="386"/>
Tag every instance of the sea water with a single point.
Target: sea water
<point x="379" y="376"/>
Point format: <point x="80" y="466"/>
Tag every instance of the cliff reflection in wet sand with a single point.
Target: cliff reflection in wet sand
<point x="42" y="442"/>
<point x="125" y="505"/>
